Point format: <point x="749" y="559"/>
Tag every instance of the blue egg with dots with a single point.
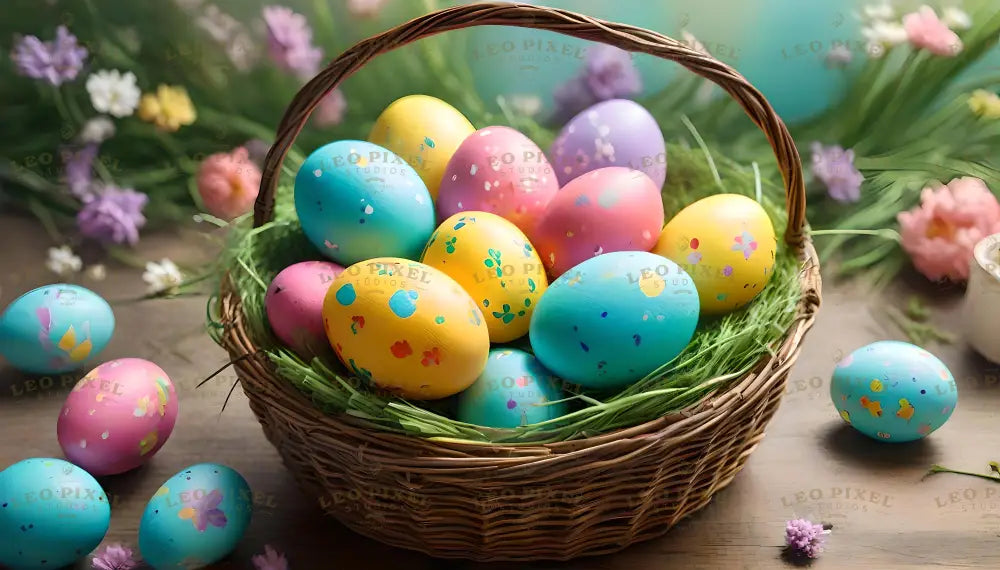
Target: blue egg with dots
<point x="615" y="318"/>
<point x="357" y="200"/>
<point x="514" y="390"/>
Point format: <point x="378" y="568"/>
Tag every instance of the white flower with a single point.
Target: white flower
<point x="97" y="272"/>
<point x="97" y="130"/>
<point x="62" y="261"/>
<point x="162" y="276"/>
<point x="230" y="34"/>
<point x="113" y="92"/>
<point x="528" y="105"/>
<point x="879" y="12"/>
<point x="955" y="18"/>
<point x="364" y="8"/>
<point x="883" y="35"/>
<point x="839" y="55"/>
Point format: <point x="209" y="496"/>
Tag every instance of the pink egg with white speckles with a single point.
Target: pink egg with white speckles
<point x="117" y="416"/>
<point x="501" y="171"/>
<point x="609" y="209"/>
<point x="617" y="132"/>
<point x="294" y="305"/>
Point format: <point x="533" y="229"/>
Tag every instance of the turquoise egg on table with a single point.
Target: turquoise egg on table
<point x="612" y="319"/>
<point x="513" y="390"/>
<point x="196" y="518"/>
<point x="52" y="513"/>
<point x="893" y="391"/>
<point x="357" y="200"/>
<point x="55" y="329"/>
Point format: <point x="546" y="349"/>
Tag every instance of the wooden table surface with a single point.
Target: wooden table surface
<point x="810" y="464"/>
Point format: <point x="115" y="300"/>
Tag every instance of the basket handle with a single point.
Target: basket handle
<point x="629" y="38"/>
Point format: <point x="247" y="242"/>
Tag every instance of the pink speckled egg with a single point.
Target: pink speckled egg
<point x="610" y="209"/>
<point x="117" y="416"/>
<point x="501" y="171"/>
<point x="294" y="305"/>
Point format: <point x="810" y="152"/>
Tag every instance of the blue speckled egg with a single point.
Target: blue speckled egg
<point x="893" y="391"/>
<point x="196" y="518"/>
<point x="55" y="328"/>
<point x="52" y="513"/>
<point x="512" y="391"/>
<point x="357" y="200"/>
<point x="614" y="318"/>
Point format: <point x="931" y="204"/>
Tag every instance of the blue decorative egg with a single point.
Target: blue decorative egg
<point x="614" y="318"/>
<point x="196" y="518"/>
<point x="512" y="391"/>
<point x="357" y="200"/>
<point x="893" y="391"/>
<point x="52" y="513"/>
<point x="55" y="329"/>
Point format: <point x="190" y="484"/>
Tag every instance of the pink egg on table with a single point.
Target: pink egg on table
<point x="609" y="209"/>
<point x="501" y="171"/>
<point x="294" y="305"/>
<point x="117" y="416"/>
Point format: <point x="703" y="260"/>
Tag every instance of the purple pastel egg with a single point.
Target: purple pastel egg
<point x="294" y="304"/>
<point x="617" y="132"/>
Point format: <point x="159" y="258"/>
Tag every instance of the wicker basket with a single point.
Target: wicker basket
<point x="558" y="501"/>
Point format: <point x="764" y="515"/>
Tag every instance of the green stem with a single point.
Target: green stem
<point x="940" y="469"/>
<point x="886" y="233"/>
<point x="61" y="106"/>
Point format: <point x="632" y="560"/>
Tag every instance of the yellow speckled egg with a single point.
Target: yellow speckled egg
<point x="425" y="132"/>
<point x="407" y="327"/>
<point x="727" y="244"/>
<point x="494" y="262"/>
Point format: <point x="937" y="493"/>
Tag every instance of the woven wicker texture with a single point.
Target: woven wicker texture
<point x="489" y="502"/>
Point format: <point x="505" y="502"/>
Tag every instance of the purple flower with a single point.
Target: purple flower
<point x="572" y="97"/>
<point x="834" y="167"/>
<point x="270" y="560"/>
<point x="289" y="42"/>
<point x="608" y="73"/>
<point x="55" y="61"/>
<point x="113" y="215"/>
<point x="804" y="538"/>
<point x="113" y="557"/>
<point x="79" y="171"/>
<point x="331" y="109"/>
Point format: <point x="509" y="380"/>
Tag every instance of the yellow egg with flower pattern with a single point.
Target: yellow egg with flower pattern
<point x="494" y="262"/>
<point x="727" y="244"/>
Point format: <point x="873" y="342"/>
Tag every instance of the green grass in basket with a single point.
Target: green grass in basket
<point x="722" y="349"/>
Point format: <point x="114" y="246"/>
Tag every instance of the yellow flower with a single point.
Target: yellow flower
<point x="985" y="104"/>
<point x="169" y="108"/>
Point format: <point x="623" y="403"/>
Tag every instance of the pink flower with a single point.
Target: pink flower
<point x="331" y="109"/>
<point x="228" y="183"/>
<point x="940" y="234"/>
<point x="364" y="8"/>
<point x="928" y="32"/>
<point x="270" y="560"/>
<point x="113" y="557"/>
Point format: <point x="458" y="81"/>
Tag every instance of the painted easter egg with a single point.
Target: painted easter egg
<point x="513" y="390"/>
<point x="893" y="391"/>
<point x="117" y="416"/>
<point x="425" y="132"/>
<point x="52" y="513"/>
<point x="498" y="170"/>
<point x="407" y="327"/>
<point x="617" y="132"/>
<point x="357" y="200"/>
<point x="727" y="244"/>
<point x="195" y="518"/>
<point x="55" y="328"/>
<point x="615" y="318"/>
<point x="609" y="209"/>
<point x="495" y="264"/>
<point x="294" y="305"/>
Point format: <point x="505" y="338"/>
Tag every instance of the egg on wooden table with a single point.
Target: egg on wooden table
<point x="117" y="416"/>
<point x="617" y="132"/>
<point x="893" y="391"/>
<point x="727" y="244"/>
<point x="498" y="170"/>
<point x="356" y="200"/>
<point x="495" y="264"/>
<point x="425" y="132"/>
<point x="609" y="209"/>
<point x="55" y="328"/>
<point x="406" y="327"/>
<point x="196" y="518"/>
<point x="52" y="513"/>
<point x="513" y="390"/>
<point x="294" y="305"/>
<point x="614" y="318"/>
